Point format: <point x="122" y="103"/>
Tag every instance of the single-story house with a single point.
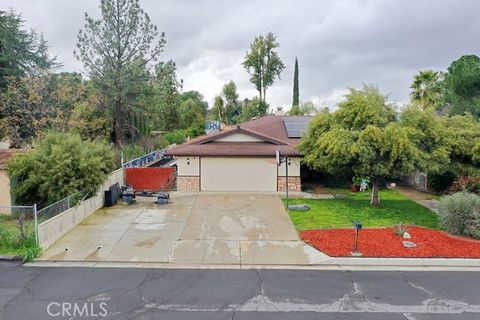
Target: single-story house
<point x="243" y="157"/>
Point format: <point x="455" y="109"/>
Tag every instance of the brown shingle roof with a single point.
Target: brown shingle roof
<point x="269" y="128"/>
<point x="7" y="154"/>
<point x="233" y="149"/>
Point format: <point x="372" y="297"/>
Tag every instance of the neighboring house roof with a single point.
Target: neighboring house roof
<point x="7" y="154"/>
<point x="270" y="129"/>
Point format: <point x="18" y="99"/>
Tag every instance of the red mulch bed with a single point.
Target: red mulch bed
<point x="383" y="242"/>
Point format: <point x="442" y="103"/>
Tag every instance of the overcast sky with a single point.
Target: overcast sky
<point x="339" y="44"/>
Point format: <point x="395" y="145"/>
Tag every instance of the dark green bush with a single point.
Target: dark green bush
<point x="440" y="182"/>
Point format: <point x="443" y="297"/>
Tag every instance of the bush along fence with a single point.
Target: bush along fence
<point x="24" y="230"/>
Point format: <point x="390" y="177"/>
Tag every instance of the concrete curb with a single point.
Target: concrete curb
<point x="353" y="264"/>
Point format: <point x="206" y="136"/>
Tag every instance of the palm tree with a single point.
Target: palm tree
<point x="428" y="89"/>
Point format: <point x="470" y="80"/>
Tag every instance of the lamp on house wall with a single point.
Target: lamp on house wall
<point x="188" y="161"/>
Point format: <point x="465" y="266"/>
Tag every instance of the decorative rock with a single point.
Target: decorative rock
<point x="407" y="236"/>
<point x="409" y="244"/>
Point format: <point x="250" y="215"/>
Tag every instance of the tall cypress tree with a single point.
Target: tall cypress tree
<point x="296" y="94"/>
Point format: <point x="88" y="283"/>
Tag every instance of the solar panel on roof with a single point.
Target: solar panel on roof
<point x="296" y="126"/>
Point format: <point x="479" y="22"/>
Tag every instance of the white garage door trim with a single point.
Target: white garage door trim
<point x="238" y="174"/>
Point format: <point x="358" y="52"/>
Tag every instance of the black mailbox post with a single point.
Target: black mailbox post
<point x="357" y="226"/>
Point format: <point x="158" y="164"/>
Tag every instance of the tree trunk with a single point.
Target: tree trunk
<point x="375" y="200"/>
<point x="117" y="116"/>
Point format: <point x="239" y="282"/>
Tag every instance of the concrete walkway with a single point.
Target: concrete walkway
<point x="422" y="198"/>
<point x="196" y="229"/>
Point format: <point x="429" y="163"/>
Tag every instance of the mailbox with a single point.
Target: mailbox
<point x="357" y="225"/>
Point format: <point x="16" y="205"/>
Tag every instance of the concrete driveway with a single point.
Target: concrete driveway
<point x="196" y="229"/>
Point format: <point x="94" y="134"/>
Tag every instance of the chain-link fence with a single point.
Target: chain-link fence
<point x="61" y="205"/>
<point x="18" y="224"/>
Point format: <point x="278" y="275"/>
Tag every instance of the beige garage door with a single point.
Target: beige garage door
<point x="238" y="174"/>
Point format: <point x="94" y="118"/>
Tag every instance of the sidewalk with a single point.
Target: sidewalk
<point x="422" y="198"/>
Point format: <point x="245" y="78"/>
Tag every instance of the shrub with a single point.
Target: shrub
<point x="439" y="182"/>
<point x="177" y="136"/>
<point x="460" y="214"/>
<point x="60" y="164"/>
<point x="131" y="152"/>
<point x="473" y="187"/>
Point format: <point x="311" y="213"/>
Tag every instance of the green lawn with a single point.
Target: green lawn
<point x="339" y="213"/>
<point x="11" y="243"/>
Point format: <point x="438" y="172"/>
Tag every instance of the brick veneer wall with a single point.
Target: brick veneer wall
<point x="294" y="184"/>
<point x="188" y="184"/>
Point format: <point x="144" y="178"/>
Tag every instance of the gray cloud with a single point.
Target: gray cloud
<point x="339" y="44"/>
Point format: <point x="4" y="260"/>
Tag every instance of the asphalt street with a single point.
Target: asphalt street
<point x="120" y="293"/>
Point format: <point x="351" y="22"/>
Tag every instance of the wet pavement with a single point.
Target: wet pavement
<point x="197" y="228"/>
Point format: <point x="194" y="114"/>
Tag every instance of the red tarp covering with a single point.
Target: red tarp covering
<point x="150" y="178"/>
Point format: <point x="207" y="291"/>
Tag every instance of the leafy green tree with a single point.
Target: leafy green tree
<point x="447" y="145"/>
<point x="168" y="94"/>
<point x="428" y="89"/>
<point x="25" y="110"/>
<point x="363" y="137"/>
<point x="195" y="96"/>
<point x="253" y="108"/>
<point x="88" y="121"/>
<point x="428" y="131"/>
<point x="232" y="105"/>
<point x="463" y="134"/>
<point x="22" y="52"/>
<point x="296" y="93"/>
<point x="61" y="164"/>
<point x="365" y="107"/>
<point x="116" y="50"/>
<point x="65" y="91"/>
<point x="193" y="112"/>
<point x="476" y="153"/>
<point x="304" y="109"/>
<point x="193" y="117"/>
<point x="463" y="85"/>
<point x="227" y="109"/>
<point x="219" y="111"/>
<point x="263" y="63"/>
